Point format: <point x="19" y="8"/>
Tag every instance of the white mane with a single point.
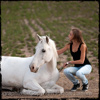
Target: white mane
<point x="52" y="44"/>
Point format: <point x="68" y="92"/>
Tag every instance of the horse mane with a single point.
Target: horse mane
<point x="53" y="45"/>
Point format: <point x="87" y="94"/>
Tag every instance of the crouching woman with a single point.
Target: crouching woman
<point x="81" y="63"/>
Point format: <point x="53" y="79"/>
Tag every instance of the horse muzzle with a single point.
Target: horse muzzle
<point x="33" y="69"/>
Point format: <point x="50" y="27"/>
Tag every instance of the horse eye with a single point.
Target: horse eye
<point x="43" y="50"/>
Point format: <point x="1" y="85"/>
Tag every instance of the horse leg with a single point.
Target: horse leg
<point x="55" y="89"/>
<point x="51" y="87"/>
<point x="32" y="88"/>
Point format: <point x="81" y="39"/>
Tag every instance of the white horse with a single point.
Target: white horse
<point x="36" y="75"/>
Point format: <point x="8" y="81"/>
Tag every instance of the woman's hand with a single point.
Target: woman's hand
<point x="65" y="64"/>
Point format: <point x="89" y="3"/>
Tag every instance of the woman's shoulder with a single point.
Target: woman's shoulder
<point x="83" y="45"/>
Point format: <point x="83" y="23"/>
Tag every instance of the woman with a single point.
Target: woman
<point x="82" y="66"/>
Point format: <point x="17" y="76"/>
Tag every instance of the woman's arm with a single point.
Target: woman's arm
<point x="60" y="51"/>
<point x="82" y="58"/>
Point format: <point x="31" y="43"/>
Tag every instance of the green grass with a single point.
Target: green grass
<point x="91" y="78"/>
<point x="55" y="17"/>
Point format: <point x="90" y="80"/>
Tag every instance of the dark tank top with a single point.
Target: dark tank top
<point x="76" y="56"/>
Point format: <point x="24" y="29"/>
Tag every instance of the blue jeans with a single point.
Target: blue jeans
<point x="79" y="72"/>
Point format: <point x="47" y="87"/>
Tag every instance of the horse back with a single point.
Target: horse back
<point x="13" y="70"/>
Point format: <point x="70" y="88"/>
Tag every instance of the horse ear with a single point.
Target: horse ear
<point x="39" y="37"/>
<point x="47" y="39"/>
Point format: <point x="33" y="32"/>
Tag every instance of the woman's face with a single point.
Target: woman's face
<point x="71" y="35"/>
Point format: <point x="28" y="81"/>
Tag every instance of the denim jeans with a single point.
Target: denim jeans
<point x="79" y="72"/>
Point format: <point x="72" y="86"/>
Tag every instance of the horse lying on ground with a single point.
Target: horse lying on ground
<point x="36" y="75"/>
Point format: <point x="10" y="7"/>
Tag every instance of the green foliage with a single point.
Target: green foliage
<point x="55" y="18"/>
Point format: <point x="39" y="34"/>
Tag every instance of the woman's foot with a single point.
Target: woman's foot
<point x="85" y="87"/>
<point x="75" y="87"/>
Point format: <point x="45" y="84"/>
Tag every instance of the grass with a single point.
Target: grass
<point x="55" y="17"/>
<point x="91" y="78"/>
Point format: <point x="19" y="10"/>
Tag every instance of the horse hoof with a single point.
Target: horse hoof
<point x="61" y="91"/>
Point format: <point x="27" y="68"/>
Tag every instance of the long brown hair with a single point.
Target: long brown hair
<point x="78" y="36"/>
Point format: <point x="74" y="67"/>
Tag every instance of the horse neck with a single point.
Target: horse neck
<point x="51" y="66"/>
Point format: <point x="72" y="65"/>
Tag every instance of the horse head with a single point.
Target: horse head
<point x="44" y="53"/>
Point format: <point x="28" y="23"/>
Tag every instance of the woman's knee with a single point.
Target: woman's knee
<point x="78" y="73"/>
<point x="66" y="71"/>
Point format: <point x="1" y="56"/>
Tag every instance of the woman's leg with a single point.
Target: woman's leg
<point x="82" y="71"/>
<point x="69" y="73"/>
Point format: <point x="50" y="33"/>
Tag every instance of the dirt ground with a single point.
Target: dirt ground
<point x="93" y="91"/>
